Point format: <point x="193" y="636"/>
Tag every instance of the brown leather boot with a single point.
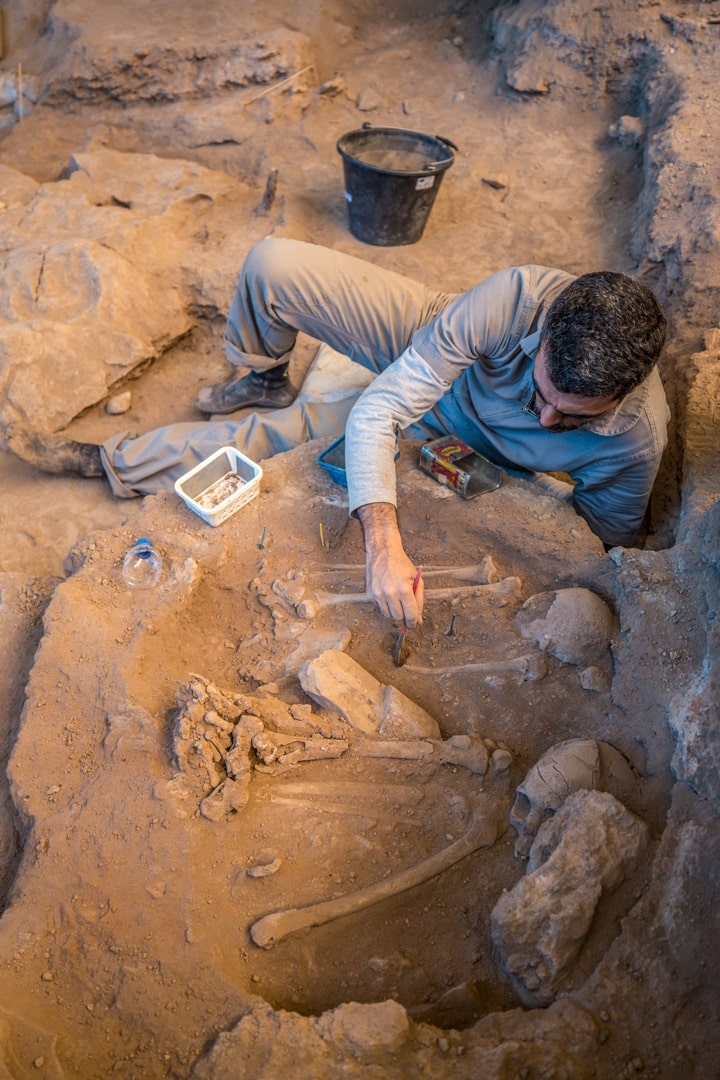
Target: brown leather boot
<point x="53" y="453"/>
<point x="270" y="389"/>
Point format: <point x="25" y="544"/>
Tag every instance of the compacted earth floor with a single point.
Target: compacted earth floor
<point x="126" y="942"/>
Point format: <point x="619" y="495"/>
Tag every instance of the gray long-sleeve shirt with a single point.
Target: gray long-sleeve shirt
<point x="469" y="372"/>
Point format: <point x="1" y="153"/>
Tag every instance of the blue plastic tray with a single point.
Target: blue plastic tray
<point x="333" y="461"/>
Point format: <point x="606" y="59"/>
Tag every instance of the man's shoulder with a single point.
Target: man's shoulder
<point x="535" y="275"/>
<point x="642" y="415"/>
<point x="528" y="285"/>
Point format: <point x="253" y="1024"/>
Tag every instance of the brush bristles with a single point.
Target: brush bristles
<point x="401" y="650"/>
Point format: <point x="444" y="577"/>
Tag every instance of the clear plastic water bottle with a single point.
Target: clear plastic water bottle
<point x="142" y="565"/>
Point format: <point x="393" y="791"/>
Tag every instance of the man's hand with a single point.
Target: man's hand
<point x="389" y="572"/>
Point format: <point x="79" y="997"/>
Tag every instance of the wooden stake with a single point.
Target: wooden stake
<point x="278" y="86"/>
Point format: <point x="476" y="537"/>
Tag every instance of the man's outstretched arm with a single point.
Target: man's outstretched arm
<point x="389" y="572"/>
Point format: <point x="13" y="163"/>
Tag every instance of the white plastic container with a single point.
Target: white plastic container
<point x="220" y="485"/>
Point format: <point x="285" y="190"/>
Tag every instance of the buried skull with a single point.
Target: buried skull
<point x="567" y="767"/>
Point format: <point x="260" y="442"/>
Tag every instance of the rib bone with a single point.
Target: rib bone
<point x="271" y="929"/>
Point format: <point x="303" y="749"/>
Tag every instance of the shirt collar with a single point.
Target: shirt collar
<point x="620" y="419"/>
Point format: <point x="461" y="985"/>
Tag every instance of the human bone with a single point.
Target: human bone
<point x="530" y="667"/>
<point x="499" y="591"/>
<point x="482" y="573"/>
<point x="573" y="625"/>
<point x="481" y="832"/>
<point x="567" y="767"/>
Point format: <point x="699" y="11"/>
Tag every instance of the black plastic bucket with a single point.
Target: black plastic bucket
<point x="391" y="179"/>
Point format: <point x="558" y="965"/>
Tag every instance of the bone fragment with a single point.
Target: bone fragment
<point x="273" y="746"/>
<point x="264" y="869"/>
<point x="228" y="796"/>
<point x="215" y="720"/>
<point x="365" y="817"/>
<point x="532" y="666"/>
<point x="509" y="587"/>
<point x="310" y="752"/>
<point x="271" y="929"/>
<point x="504" y="589"/>
<point x="407" y="749"/>
<point x="470" y="752"/>
<point x="349" y="791"/>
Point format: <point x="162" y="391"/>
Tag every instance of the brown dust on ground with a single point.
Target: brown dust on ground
<point x="125" y="941"/>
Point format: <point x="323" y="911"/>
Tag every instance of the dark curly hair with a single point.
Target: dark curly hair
<point x="603" y="335"/>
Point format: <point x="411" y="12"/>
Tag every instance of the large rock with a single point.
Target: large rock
<point x="101" y="272"/>
<point x="339" y="683"/>
<point x="15" y="186"/>
<point x="585" y="850"/>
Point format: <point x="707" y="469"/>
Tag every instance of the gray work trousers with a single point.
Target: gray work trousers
<point x="285" y="287"/>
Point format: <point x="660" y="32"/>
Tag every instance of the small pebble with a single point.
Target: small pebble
<point x="265" y="870"/>
<point x="498" y="181"/>
<point x="500" y="761"/>
<point x="119" y="403"/>
<point x="333" y="87"/>
<point x="368" y="100"/>
<point x="595" y="679"/>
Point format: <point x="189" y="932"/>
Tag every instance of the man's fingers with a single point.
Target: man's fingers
<point x="412" y="601"/>
<point x="395" y="584"/>
<point x="400" y="607"/>
<point x="419" y="599"/>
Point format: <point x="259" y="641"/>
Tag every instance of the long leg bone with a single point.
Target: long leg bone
<point x="501" y="590"/>
<point x="481" y="573"/>
<point x="533" y="666"/>
<point x="271" y="929"/>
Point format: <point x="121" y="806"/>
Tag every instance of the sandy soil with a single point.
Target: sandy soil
<point x="125" y="939"/>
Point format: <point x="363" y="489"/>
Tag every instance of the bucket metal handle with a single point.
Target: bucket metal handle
<point x="433" y="166"/>
<point x="448" y="142"/>
<point x="440" y="138"/>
